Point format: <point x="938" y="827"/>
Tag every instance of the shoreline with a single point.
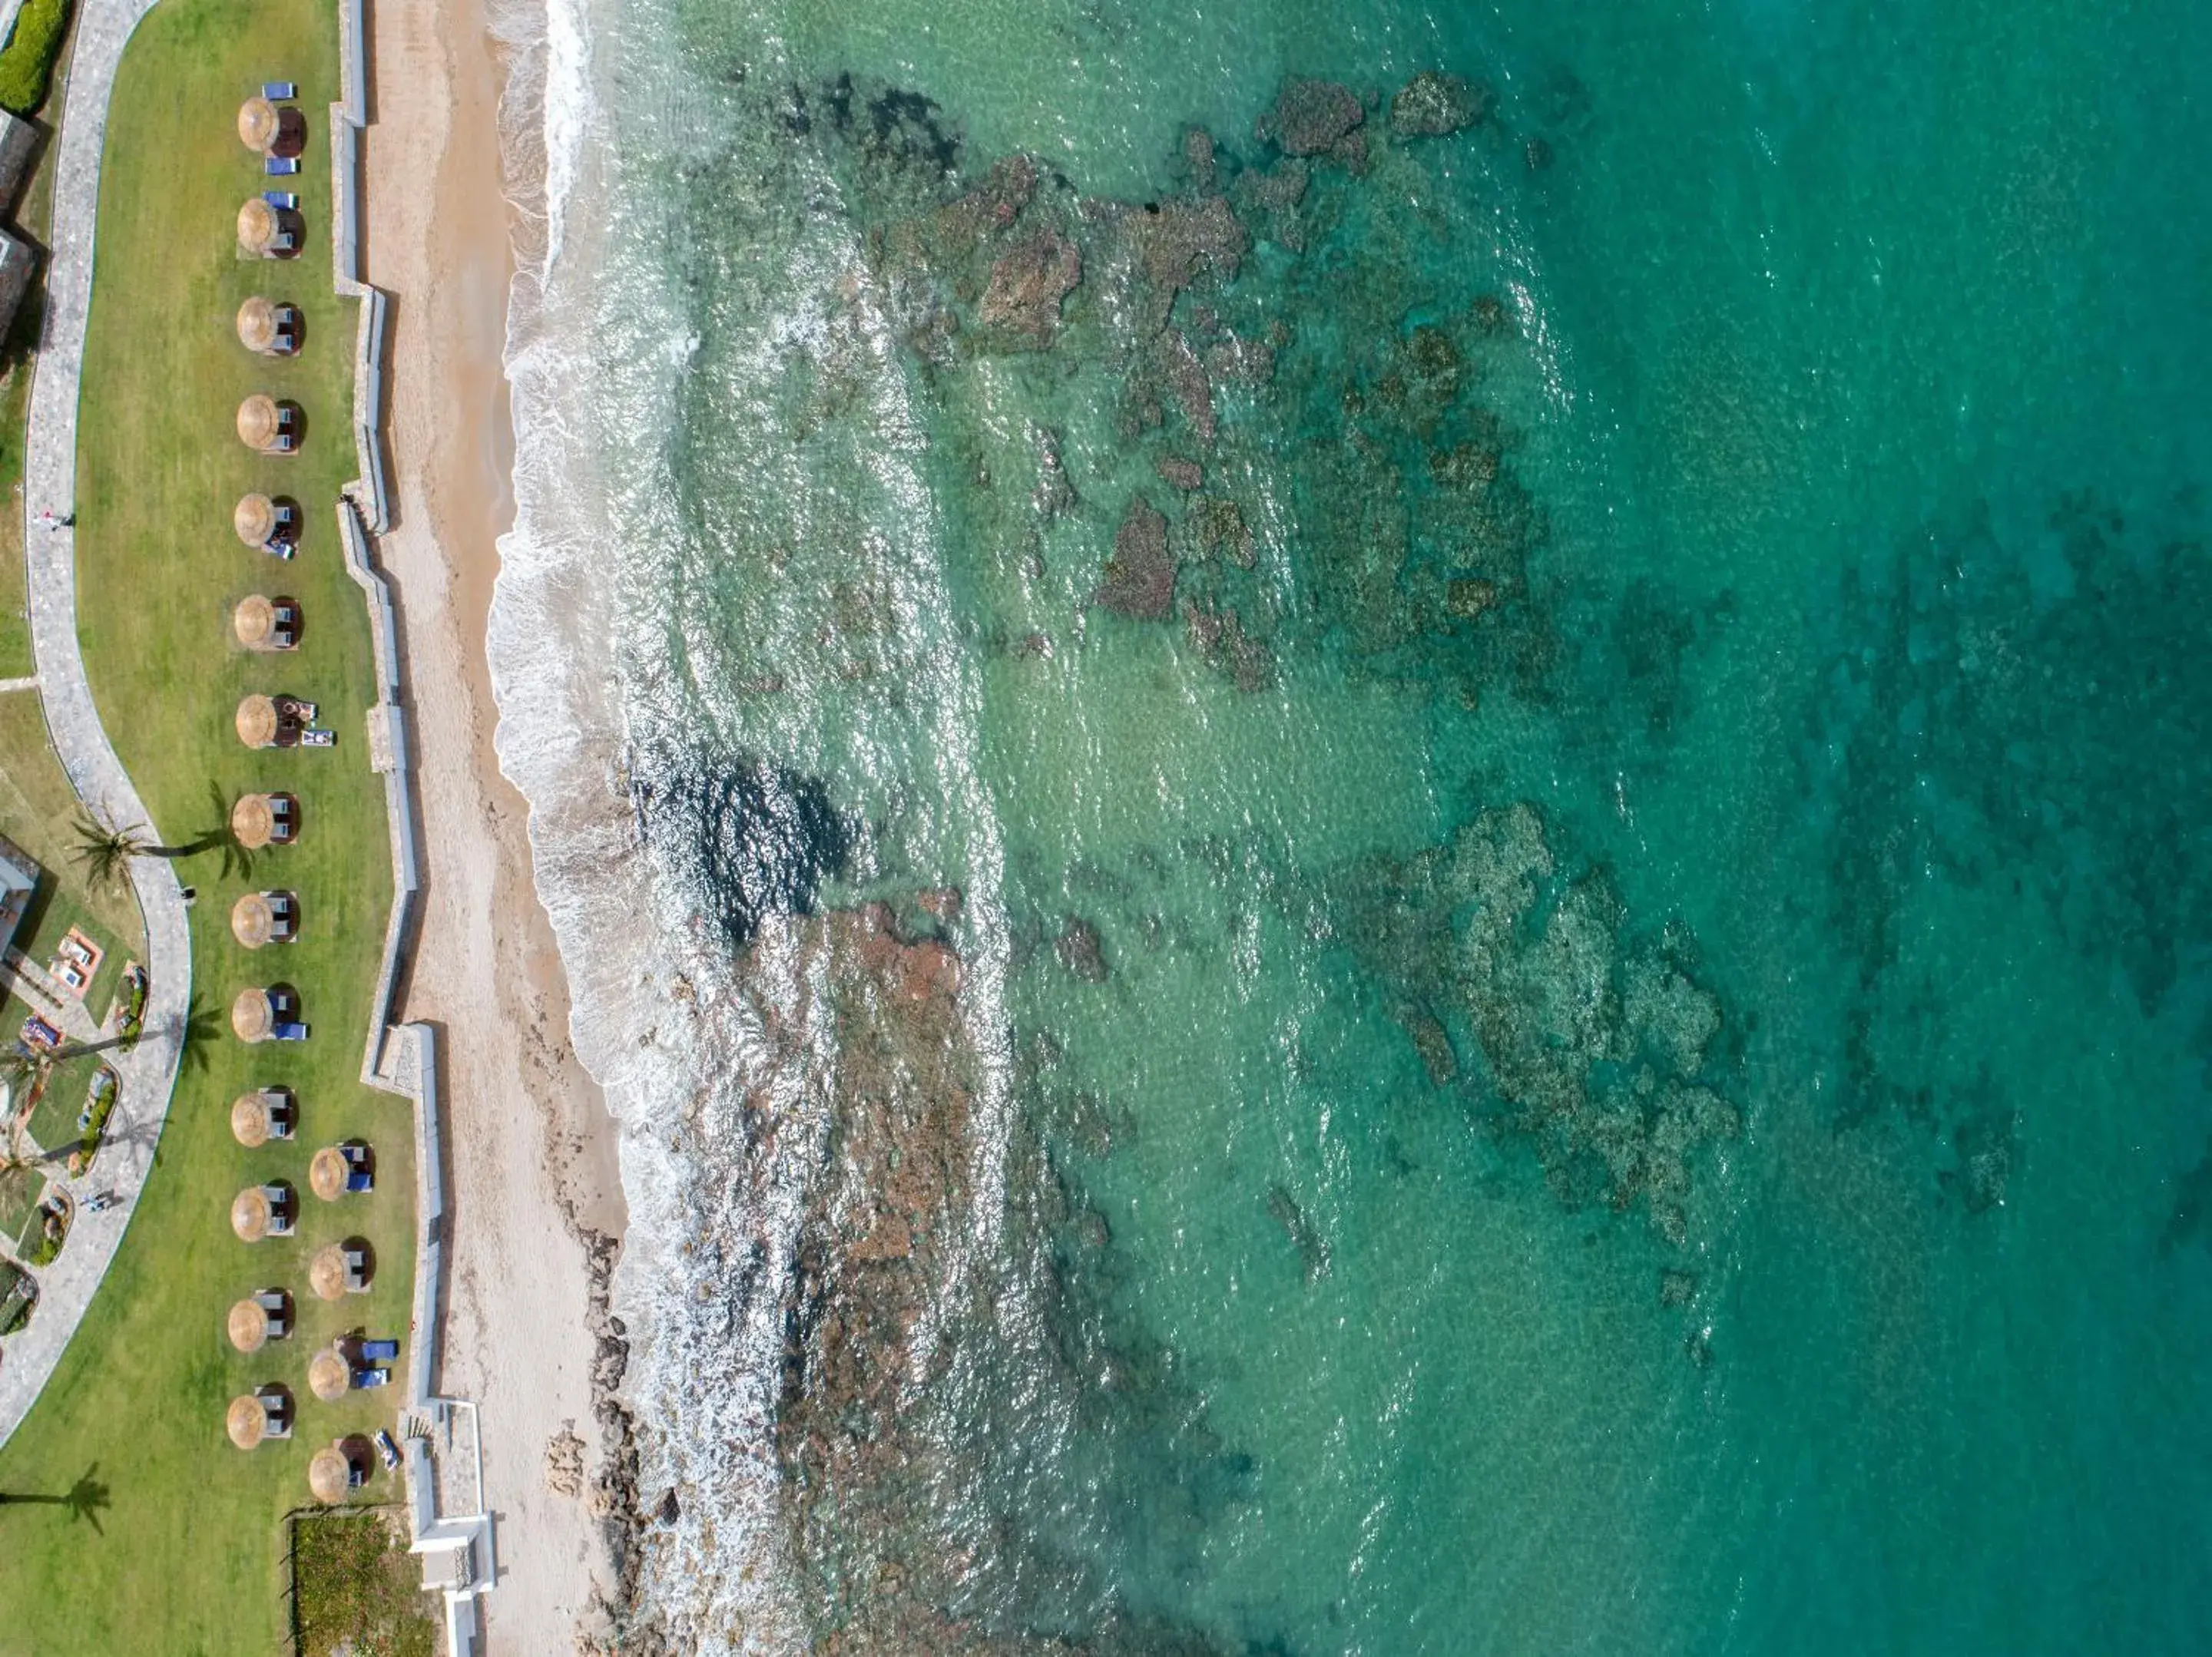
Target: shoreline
<point x="536" y="1205"/>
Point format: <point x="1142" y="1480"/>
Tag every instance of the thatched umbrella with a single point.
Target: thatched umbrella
<point x="251" y="1214"/>
<point x="252" y="1016"/>
<point x="249" y="1119"/>
<point x="330" y="1476"/>
<point x="252" y="922"/>
<point x="259" y="422"/>
<point x="252" y="821"/>
<point x="257" y="124"/>
<point x="257" y="324"/>
<point x="254" y="621"/>
<point x="254" y="518"/>
<point x="247" y="1421"/>
<point x="249" y="1326"/>
<point x="326" y="1174"/>
<point x="326" y="1375"/>
<point x="257" y="722"/>
<point x="257" y="225"/>
<point x="326" y="1272"/>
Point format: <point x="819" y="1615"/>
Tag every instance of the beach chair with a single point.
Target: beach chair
<point x="280" y="166"/>
<point x="386" y="1448"/>
<point x="360" y="1181"/>
<point x="284" y="201"/>
<point x="278" y="92"/>
<point x="380" y="1352"/>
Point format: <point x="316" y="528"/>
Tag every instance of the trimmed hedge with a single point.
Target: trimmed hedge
<point x="27" y="61"/>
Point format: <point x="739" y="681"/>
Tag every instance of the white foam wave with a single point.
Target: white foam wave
<point x="586" y="670"/>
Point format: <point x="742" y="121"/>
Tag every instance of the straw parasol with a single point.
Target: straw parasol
<point x="326" y="1375"/>
<point x="253" y="821"/>
<point x="257" y="124"/>
<point x="257" y="721"/>
<point x="326" y="1174"/>
<point x="257" y="225"/>
<point x="249" y="1120"/>
<point x="251" y="1018"/>
<point x="257" y="324"/>
<point x="258" y="422"/>
<point x="254" y="518"/>
<point x="329" y="1475"/>
<point x="252" y="922"/>
<point x="254" y="620"/>
<point x="249" y="1326"/>
<point x="249" y="1214"/>
<point x="248" y="1421"/>
<point x="326" y="1272"/>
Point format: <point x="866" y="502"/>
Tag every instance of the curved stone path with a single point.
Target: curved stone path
<point x="148" y="1071"/>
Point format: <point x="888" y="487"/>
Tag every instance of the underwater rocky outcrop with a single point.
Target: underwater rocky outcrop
<point x="1591" y="1039"/>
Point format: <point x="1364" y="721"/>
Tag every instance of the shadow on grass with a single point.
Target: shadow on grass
<point x="86" y="1499"/>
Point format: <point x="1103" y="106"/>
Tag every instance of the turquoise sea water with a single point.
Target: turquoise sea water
<point x="1649" y="1090"/>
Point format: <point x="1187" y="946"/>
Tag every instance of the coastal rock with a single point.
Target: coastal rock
<point x="1179" y="473"/>
<point x="1313" y="117"/>
<point x="993" y="206"/>
<point x="1027" y="285"/>
<point x="1140" y="574"/>
<point x="1217" y="528"/>
<point x="1176" y="242"/>
<point x="1270" y="199"/>
<point x="1676" y="1286"/>
<point x="1186" y="379"/>
<point x="1432" y="105"/>
<point x="1198" y="156"/>
<point x="1081" y="951"/>
<point x="1055" y="491"/>
<point x="939" y="903"/>
<point x="1434" y="1042"/>
<point x="1219" y="635"/>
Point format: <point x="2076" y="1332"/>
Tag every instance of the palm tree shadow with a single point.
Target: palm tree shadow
<point x="86" y="1499"/>
<point x="195" y="1034"/>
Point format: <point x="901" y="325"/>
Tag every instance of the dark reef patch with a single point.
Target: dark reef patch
<point x="757" y="842"/>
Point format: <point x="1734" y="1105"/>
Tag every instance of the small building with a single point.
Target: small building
<point x="19" y="884"/>
<point x="20" y="144"/>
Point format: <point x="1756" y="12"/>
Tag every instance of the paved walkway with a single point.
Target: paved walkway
<point x="149" y="1070"/>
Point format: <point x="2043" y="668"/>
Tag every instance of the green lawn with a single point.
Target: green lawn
<point x="33" y="211"/>
<point x="188" y="1554"/>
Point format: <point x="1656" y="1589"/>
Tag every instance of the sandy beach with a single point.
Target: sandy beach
<point x="536" y="1199"/>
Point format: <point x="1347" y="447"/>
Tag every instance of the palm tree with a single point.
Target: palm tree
<point x="106" y="849"/>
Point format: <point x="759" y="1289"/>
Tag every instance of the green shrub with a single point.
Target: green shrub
<point x="27" y="61"/>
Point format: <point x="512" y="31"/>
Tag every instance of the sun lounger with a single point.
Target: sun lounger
<point x="38" y="1032"/>
<point x="360" y="1182"/>
<point x="386" y="1448"/>
<point x="290" y="1033"/>
<point x="284" y="201"/>
<point x="319" y="739"/>
<point x="363" y="1379"/>
<point x="279" y="92"/>
<point x="280" y="166"/>
<point x="380" y="1352"/>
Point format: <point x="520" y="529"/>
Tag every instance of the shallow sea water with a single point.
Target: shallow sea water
<point x="1650" y="1088"/>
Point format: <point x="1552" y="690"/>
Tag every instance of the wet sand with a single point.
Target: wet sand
<point x="536" y="1200"/>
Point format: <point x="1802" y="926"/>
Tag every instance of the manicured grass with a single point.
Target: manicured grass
<point x="189" y="1554"/>
<point x="33" y="213"/>
<point x="356" y="1593"/>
